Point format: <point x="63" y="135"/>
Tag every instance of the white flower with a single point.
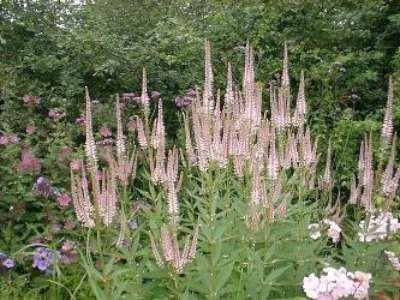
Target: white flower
<point x="335" y="284"/>
<point x="333" y="231"/>
<point x="378" y="227"/>
<point x="361" y="283"/>
<point x="314" y="231"/>
<point x="311" y="286"/>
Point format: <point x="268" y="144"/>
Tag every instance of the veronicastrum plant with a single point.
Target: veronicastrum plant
<point x="243" y="209"/>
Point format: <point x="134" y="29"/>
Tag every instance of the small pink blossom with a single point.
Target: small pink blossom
<point x="30" y="129"/>
<point x="29" y="162"/>
<point x="76" y="164"/>
<point x="105" y="132"/>
<point x="128" y="96"/>
<point x="56" y="114"/>
<point x="63" y="200"/>
<point x="80" y="121"/>
<point x="31" y="100"/>
<point x="68" y="225"/>
<point x="4" y="140"/>
<point x="13" y="139"/>
<point x="131" y="126"/>
<point x="64" y="153"/>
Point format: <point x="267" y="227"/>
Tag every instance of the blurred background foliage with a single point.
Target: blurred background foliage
<point x="348" y="48"/>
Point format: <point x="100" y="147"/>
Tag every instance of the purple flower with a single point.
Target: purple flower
<point x="183" y="102"/>
<point x="128" y="96"/>
<point x="43" y="258"/>
<point x="2" y="256"/>
<point x="42" y="187"/>
<point x="6" y="261"/>
<point x="9" y="263"/>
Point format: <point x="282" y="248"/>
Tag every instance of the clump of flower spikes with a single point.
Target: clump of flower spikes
<point x="369" y="182"/>
<point x="165" y="171"/>
<point x="171" y="253"/>
<point x="237" y="132"/>
<point x="337" y="284"/>
<point x="378" y="227"/>
<point x="100" y="202"/>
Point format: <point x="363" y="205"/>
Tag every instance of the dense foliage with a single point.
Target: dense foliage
<point x="250" y="234"/>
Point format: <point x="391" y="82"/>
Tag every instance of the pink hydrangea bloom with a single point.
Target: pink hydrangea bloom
<point x="29" y="162"/>
<point x="63" y="200"/>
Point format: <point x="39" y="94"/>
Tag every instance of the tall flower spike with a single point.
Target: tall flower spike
<point x="229" y="96"/>
<point x="144" y="99"/>
<point x="81" y="200"/>
<point x="285" y="72"/>
<point x="208" y="102"/>
<point x="300" y="110"/>
<point x="188" y="142"/>
<point x="387" y="126"/>
<point x="327" y="179"/>
<point x="141" y="134"/>
<point x="90" y="144"/>
<point x="120" y="143"/>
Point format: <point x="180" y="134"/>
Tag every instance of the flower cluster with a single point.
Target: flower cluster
<point x="378" y="227"/>
<point x="9" y="139"/>
<point x="43" y="258"/>
<point x="187" y="99"/>
<point x="394" y="260"/>
<point x="29" y="162"/>
<point x="337" y="284"/>
<point x="68" y="253"/>
<point x="31" y="100"/>
<point x="6" y="262"/>
<point x="333" y="231"/>
<point x="56" y="114"/>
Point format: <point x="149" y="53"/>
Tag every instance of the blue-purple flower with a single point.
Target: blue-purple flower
<point x="6" y="261"/>
<point x="43" y="258"/>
